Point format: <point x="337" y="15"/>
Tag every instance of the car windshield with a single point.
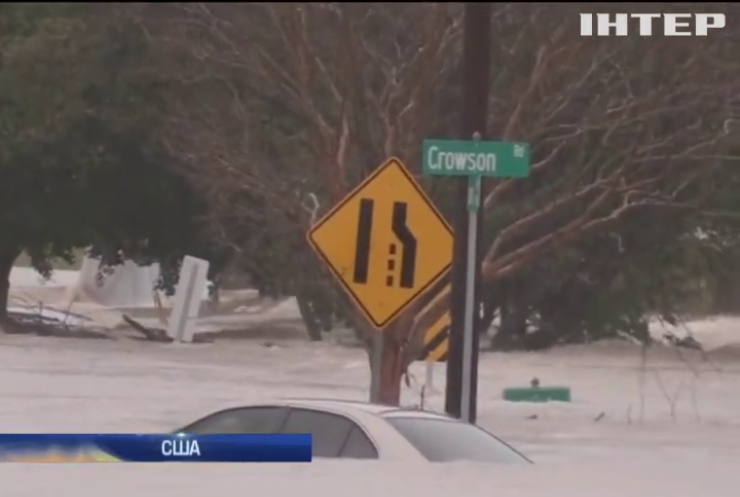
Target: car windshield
<point x="443" y="440"/>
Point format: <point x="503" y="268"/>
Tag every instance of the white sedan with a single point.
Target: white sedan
<point x="357" y="430"/>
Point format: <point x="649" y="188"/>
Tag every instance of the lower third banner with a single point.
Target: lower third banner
<point x="63" y="447"/>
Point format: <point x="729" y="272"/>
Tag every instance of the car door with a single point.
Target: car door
<point x="240" y="420"/>
<point x="333" y="435"/>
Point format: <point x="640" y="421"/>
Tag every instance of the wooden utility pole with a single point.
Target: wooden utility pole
<point x="475" y="81"/>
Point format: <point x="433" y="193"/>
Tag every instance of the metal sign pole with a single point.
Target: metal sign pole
<point x="474" y="183"/>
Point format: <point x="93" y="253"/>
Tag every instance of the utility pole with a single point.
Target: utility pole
<point x="476" y="81"/>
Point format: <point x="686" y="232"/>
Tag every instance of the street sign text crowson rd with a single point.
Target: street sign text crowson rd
<point x="475" y="158"/>
<point x="385" y="243"/>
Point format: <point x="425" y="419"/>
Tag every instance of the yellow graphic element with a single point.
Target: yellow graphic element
<point x="437" y="340"/>
<point x="385" y="242"/>
<point x="437" y="336"/>
<point x="58" y="456"/>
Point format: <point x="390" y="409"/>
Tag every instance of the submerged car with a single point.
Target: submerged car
<point x="356" y="430"/>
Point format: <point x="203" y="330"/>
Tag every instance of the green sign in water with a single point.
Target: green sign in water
<point x="475" y="158"/>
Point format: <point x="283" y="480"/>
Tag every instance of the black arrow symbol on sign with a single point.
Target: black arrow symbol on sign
<point x="362" y="241"/>
<point x="402" y="232"/>
<point x="408" y="244"/>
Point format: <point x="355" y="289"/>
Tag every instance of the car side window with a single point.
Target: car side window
<point x="445" y="440"/>
<point x="260" y="420"/>
<point x="328" y="431"/>
<point x="358" y="446"/>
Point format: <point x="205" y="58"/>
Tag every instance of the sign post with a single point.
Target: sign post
<point x="474" y="182"/>
<point x="474" y="159"/>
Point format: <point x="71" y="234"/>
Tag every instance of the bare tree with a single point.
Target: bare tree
<point x="282" y="102"/>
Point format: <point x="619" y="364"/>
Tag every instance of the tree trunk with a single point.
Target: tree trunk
<point x="489" y="314"/>
<point x="513" y="325"/>
<point x="391" y="372"/>
<point x="309" y="317"/>
<point x="726" y="293"/>
<point x="7" y="258"/>
<point x="214" y="296"/>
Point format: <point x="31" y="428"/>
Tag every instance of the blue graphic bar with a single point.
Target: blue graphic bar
<point x="63" y="447"/>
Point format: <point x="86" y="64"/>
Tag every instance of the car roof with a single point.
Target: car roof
<point x="355" y="409"/>
<point x="376" y="409"/>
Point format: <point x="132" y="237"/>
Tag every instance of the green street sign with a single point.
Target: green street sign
<point x="475" y="158"/>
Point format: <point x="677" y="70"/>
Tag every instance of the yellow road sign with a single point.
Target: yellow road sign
<point x="385" y="242"/>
